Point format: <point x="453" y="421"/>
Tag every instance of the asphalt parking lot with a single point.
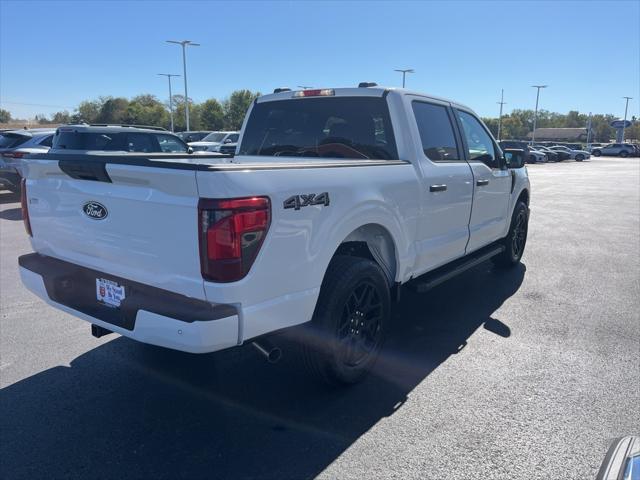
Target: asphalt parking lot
<point x="523" y="375"/>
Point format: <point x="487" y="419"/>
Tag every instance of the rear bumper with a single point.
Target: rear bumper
<point x="148" y="314"/>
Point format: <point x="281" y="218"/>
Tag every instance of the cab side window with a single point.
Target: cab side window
<point x="436" y="131"/>
<point x="479" y="143"/>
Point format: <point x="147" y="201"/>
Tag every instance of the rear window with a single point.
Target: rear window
<point x="214" y="137"/>
<point x="333" y="127"/>
<point x="12" y="140"/>
<point x="119" y="141"/>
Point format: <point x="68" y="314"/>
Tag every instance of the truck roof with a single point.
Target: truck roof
<point x="377" y="91"/>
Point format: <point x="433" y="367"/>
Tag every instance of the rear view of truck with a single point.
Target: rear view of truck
<point x="118" y="245"/>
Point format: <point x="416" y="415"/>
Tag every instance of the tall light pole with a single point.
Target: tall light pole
<point x="589" y="130"/>
<point x="184" y="44"/>
<point x="169" y="75"/>
<point x="501" y="102"/>
<point x="626" y="106"/>
<point x="404" y="73"/>
<point x="535" y="115"/>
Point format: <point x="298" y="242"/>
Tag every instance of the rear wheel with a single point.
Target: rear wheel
<point x="624" y="154"/>
<point x="516" y="239"/>
<point x="348" y="327"/>
<point x="596" y="153"/>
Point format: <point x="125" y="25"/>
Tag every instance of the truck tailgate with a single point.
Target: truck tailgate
<point x="137" y="222"/>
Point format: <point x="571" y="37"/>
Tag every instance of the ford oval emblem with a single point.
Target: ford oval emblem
<point x="95" y="210"/>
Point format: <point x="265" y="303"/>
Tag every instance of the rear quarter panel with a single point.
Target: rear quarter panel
<point x="294" y="257"/>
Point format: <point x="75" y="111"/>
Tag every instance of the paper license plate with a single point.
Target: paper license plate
<point x="109" y="293"/>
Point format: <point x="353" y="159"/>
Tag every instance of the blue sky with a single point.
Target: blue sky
<point x="56" y="54"/>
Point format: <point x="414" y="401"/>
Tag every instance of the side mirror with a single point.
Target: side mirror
<point x="189" y="150"/>
<point x="514" y="158"/>
<point x="228" y="140"/>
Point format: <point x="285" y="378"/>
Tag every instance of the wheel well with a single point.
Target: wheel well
<point x="375" y="243"/>
<point x="524" y="197"/>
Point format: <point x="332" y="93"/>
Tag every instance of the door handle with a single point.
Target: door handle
<point x="437" y="188"/>
<point x="482" y="183"/>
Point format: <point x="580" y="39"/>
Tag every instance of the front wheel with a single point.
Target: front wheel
<point x="349" y="323"/>
<point x="516" y="239"/>
<point x="596" y="153"/>
<point x="579" y="157"/>
<point x="624" y="154"/>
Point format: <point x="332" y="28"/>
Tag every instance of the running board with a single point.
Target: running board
<point x="440" y="275"/>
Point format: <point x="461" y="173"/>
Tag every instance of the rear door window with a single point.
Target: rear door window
<point x="142" y="142"/>
<point x="436" y="131"/>
<point x="73" y="140"/>
<point x="13" y="140"/>
<point x="328" y="127"/>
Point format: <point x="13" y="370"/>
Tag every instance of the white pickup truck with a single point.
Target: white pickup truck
<point x="335" y="198"/>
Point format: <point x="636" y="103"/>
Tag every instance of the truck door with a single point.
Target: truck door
<point x="447" y="188"/>
<point x="491" y="183"/>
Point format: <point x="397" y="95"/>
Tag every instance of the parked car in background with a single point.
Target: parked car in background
<point x="551" y="155"/>
<point x="577" y="155"/>
<point x="591" y="146"/>
<point x="524" y="146"/>
<point x="562" y="154"/>
<point x="615" y="149"/>
<point x="213" y="141"/>
<point x="193" y="136"/>
<point x="86" y="138"/>
<point x="536" y="156"/>
<point x="15" y="144"/>
<point x="228" y="148"/>
<point x="573" y="146"/>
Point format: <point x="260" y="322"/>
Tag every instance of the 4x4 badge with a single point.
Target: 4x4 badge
<point x="299" y="201"/>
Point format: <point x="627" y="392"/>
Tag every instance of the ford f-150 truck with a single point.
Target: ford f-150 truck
<point x="335" y="198"/>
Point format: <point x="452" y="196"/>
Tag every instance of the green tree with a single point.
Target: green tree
<point x="179" y="117"/>
<point x="146" y="110"/>
<point x="235" y="108"/>
<point x="113" y="110"/>
<point x="211" y="115"/>
<point x="61" y="117"/>
<point x="5" y="116"/>
<point x="492" y="125"/>
<point x="87" y="111"/>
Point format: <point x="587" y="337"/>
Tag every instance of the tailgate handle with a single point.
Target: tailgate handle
<point x="95" y="171"/>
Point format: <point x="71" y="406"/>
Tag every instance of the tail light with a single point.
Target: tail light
<point x="25" y="208"/>
<point x="231" y="234"/>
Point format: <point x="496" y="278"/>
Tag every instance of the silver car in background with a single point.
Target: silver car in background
<point x="577" y="155"/>
<point x="15" y="144"/>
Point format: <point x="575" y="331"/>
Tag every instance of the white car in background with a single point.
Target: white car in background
<point x="536" y="156"/>
<point x="213" y="141"/>
<point x="577" y="155"/>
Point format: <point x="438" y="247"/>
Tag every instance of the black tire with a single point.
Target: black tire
<point x="349" y="323"/>
<point x="532" y="159"/>
<point x="579" y="157"/>
<point x="516" y="239"/>
<point x="596" y="153"/>
<point x="624" y="154"/>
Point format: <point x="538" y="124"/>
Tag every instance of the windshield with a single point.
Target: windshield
<point x="12" y="140"/>
<point x="334" y="127"/>
<point x="214" y="137"/>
